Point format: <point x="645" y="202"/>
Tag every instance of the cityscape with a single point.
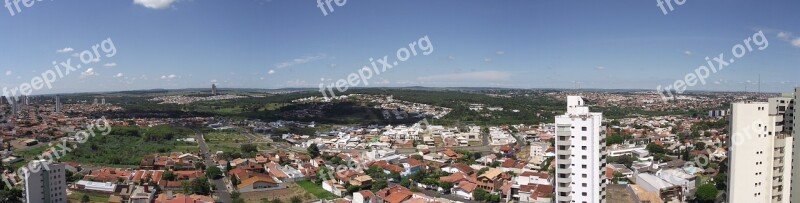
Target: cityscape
<point x="337" y="101"/>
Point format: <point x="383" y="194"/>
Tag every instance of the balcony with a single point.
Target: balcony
<point x="777" y="181"/>
<point x="564" y="170"/>
<point x="564" y="198"/>
<point x="777" y="163"/>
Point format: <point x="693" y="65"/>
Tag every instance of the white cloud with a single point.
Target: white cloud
<point x="687" y="52"/>
<point x="784" y="35"/>
<point x="110" y="65"/>
<point x="76" y="55"/>
<point x="600" y="68"/>
<point x="119" y="75"/>
<point x="501" y="52"/>
<point x="271" y="72"/>
<point x="8" y="73"/>
<point x="300" y="61"/>
<point x="796" y="42"/>
<point x="155" y="4"/>
<point x="89" y="72"/>
<point x="65" y="50"/>
<point x="167" y="77"/>
<point x="487" y="60"/>
<point x="480" y="76"/>
<point x="214" y="81"/>
<point x="333" y="65"/>
<point x="451" y="57"/>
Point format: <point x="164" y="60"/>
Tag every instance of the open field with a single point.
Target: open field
<point x="316" y="190"/>
<point x="285" y="195"/>
<point x="75" y="197"/>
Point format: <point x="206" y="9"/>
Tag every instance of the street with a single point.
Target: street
<point x="221" y="188"/>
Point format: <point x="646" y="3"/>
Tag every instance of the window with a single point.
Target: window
<point x="584" y="138"/>
<point x="584" y="129"/>
<point x="584" y="175"/>
<point x="583" y="147"/>
<point x="583" y="157"/>
<point x="583" y="194"/>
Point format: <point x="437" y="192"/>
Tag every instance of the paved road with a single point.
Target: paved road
<point x="221" y="187"/>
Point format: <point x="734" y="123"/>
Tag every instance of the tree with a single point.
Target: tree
<point x="249" y="148"/>
<point x="653" y="148"/>
<point x="395" y="176"/>
<point x="706" y="193"/>
<point x="479" y="195"/>
<point x="405" y="182"/>
<point x="201" y="186"/>
<point x="11" y="195"/>
<point x="296" y="199"/>
<point x="447" y="186"/>
<point x="213" y="173"/>
<point x="234" y="180"/>
<point x="483" y="170"/>
<point x="169" y="175"/>
<point x="699" y="146"/>
<point x="313" y="150"/>
<point x="85" y="199"/>
<point x="379" y="185"/>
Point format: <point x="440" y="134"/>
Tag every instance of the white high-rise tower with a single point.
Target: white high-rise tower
<point x="760" y="162"/>
<point x="580" y="154"/>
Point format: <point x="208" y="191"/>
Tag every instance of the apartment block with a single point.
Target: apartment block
<point x="580" y="154"/>
<point x="760" y="161"/>
<point x="48" y="184"/>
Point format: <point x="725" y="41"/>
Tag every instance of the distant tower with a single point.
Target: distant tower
<point x="58" y="104"/>
<point x="214" y="89"/>
<point x="95" y="101"/>
<point x="103" y="101"/>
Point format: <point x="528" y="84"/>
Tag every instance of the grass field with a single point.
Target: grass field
<point x="94" y="198"/>
<point x="225" y="141"/>
<point x="316" y="190"/>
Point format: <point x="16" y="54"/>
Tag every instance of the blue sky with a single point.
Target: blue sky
<point x="477" y="43"/>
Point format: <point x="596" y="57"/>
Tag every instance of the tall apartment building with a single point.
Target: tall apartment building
<point x="47" y="185"/>
<point x="792" y="113"/>
<point x="580" y="155"/>
<point x="760" y="157"/>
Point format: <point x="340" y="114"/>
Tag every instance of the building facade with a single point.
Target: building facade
<point x="580" y="154"/>
<point x="760" y="160"/>
<point x="46" y="185"/>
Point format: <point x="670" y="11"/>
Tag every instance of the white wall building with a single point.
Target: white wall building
<point x="760" y="152"/>
<point x="580" y="154"/>
<point x="46" y="185"/>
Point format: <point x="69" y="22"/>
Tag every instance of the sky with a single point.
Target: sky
<point x="620" y="44"/>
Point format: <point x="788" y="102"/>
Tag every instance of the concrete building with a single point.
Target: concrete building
<point x="760" y="161"/>
<point x="580" y="154"/>
<point x="793" y="128"/>
<point x="214" y="89"/>
<point x="46" y="185"/>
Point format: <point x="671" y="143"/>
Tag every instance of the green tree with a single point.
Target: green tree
<point x="213" y="173"/>
<point x="379" y="185"/>
<point x="11" y="195"/>
<point x="169" y="175"/>
<point x="313" y="150"/>
<point x="201" y="186"/>
<point x="447" y="186"/>
<point x="405" y="182"/>
<point x="706" y="193"/>
<point x="85" y="198"/>
<point x="700" y="146"/>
